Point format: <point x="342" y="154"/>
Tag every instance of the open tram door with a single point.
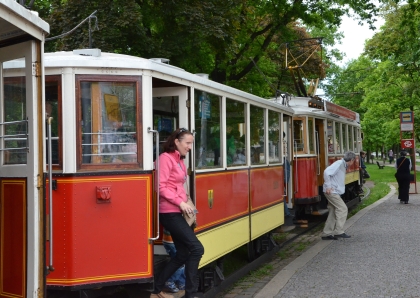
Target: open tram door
<point x="288" y="161"/>
<point x="22" y="263"/>
<point x="321" y="159"/>
<point x="170" y="112"/>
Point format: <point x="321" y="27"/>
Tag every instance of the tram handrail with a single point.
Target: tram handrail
<point x="317" y="154"/>
<point x="296" y="168"/>
<point x="286" y="193"/>
<point x="149" y="130"/>
<point x="49" y="144"/>
<point x="16" y="136"/>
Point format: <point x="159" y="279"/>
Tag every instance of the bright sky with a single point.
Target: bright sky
<point x="355" y="37"/>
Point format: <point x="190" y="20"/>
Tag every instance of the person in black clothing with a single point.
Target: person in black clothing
<point x="403" y="166"/>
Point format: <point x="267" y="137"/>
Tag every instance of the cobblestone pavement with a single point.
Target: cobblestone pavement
<point x="251" y="285"/>
<point x="254" y="284"/>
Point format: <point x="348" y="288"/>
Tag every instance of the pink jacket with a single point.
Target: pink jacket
<point x="172" y="176"/>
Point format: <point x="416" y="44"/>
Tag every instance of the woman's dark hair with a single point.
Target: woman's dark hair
<point x="179" y="134"/>
<point x="403" y="153"/>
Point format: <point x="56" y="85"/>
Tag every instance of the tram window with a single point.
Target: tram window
<point x="298" y="135"/>
<point x="207" y="125"/>
<point x="344" y="136"/>
<point x="257" y="135"/>
<point x="337" y="138"/>
<point x="311" y="131"/>
<point x="165" y="119"/>
<point x="15" y="134"/>
<point x="108" y="112"/>
<point x="350" y="137"/>
<point x="235" y="133"/>
<point x="330" y="136"/>
<point x="274" y="120"/>
<point x="52" y="109"/>
<point x="356" y="139"/>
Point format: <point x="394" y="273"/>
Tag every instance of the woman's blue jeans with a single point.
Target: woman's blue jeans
<point x="189" y="251"/>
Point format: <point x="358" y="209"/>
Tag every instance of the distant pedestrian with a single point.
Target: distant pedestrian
<point x="364" y="173"/>
<point x="334" y="186"/>
<point x="403" y="166"/>
<point x="391" y="156"/>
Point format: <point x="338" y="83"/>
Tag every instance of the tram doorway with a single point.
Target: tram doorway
<point x="169" y="113"/>
<point x="22" y="262"/>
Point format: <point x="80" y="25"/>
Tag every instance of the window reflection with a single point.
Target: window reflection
<point x="330" y="136"/>
<point x="15" y="132"/>
<point x="207" y="124"/>
<point x="337" y="138"/>
<point x="274" y="120"/>
<point x="356" y="139"/>
<point x="344" y="137"/>
<point x="108" y="114"/>
<point x="235" y="133"/>
<point x="350" y="137"/>
<point x="298" y="136"/>
<point x="52" y="95"/>
<point x="311" y="130"/>
<point x="257" y="135"/>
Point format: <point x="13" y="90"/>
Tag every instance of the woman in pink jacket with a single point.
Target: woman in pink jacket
<point x="173" y="198"/>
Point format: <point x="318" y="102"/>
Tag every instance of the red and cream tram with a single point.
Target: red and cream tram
<point x="22" y="264"/>
<point x="322" y="132"/>
<point x="107" y="117"/>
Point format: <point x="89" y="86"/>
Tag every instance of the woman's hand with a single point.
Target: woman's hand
<point x="186" y="208"/>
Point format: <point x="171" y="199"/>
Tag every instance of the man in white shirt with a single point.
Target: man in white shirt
<point x="334" y="186"/>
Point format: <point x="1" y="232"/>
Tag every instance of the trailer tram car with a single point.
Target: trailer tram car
<point x="107" y="116"/>
<point x="322" y="132"/>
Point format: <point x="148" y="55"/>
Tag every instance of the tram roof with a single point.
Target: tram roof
<point x="300" y="107"/>
<point x="120" y="61"/>
<point x="16" y="21"/>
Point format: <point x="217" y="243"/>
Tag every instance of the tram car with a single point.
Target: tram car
<point x="107" y="116"/>
<point x="322" y="132"/>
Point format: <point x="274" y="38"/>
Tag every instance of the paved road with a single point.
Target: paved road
<point x="382" y="259"/>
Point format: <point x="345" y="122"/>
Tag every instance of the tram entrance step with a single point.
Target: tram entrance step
<point x="320" y="212"/>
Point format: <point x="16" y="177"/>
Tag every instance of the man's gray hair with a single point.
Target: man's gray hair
<point x="349" y="156"/>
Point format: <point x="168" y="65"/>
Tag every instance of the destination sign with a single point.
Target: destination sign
<point x="339" y="110"/>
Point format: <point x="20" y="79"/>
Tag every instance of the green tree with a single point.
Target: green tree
<point x="218" y="37"/>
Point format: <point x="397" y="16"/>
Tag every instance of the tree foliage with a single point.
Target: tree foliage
<point x="221" y="37"/>
<point x="386" y="77"/>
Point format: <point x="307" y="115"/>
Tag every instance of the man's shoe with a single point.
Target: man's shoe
<point x="329" y="237"/>
<point x="344" y="235"/>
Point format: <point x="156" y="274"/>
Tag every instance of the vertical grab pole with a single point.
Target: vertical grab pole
<point x="317" y="153"/>
<point x="296" y="167"/>
<point x="149" y="130"/>
<point x="49" y="146"/>
<point x="286" y="178"/>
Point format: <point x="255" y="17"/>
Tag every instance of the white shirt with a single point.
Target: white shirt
<point x="335" y="177"/>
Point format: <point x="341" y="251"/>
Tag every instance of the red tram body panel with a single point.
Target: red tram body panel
<point x="266" y="187"/>
<point x="96" y="239"/>
<point x="221" y="197"/>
